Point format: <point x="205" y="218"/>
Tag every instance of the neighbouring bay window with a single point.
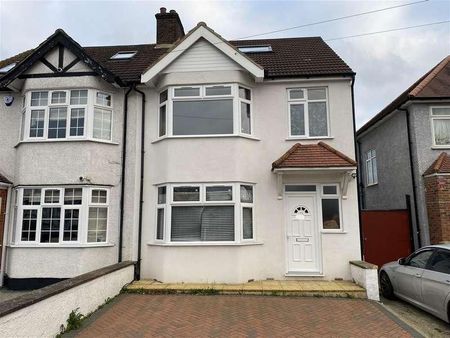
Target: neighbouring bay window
<point x="308" y="112"/>
<point x="440" y="119"/>
<point x="67" y="114"/>
<point x="371" y="168"/>
<point x="216" y="212"/>
<point x="59" y="215"/>
<point x="205" y="110"/>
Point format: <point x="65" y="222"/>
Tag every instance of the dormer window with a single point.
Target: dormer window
<point x="123" y="55"/>
<point x="207" y="110"/>
<point x="255" y="49"/>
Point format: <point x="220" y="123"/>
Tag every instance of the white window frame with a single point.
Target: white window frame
<point x="434" y="118"/>
<point x="305" y="102"/>
<point x="370" y="156"/>
<point x="337" y="196"/>
<point x="82" y="221"/>
<point x="236" y="202"/>
<point x="171" y="98"/>
<point x="166" y="105"/>
<point x="91" y="104"/>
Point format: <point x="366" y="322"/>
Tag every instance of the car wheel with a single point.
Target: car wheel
<point x="386" y="286"/>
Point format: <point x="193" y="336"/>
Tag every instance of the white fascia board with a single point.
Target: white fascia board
<point x="215" y="40"/>
<point x="313" y="169"/>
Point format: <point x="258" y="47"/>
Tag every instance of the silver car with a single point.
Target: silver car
<point x="422" y="279"/>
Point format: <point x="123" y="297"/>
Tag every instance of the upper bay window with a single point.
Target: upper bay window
<point x="67" y="114"/>
<point x="440" y="120"/>
<point x="205" y="110"/>
<point x="308" y="112"/>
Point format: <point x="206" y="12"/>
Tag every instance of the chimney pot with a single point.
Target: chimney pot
<point x="172" y="11"/>
<point x="168" y="27"/>
<point x="163" y="10"/>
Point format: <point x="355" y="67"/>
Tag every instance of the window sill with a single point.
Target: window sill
<point x="205" y="136"/>
<point x="371" y="185"/>
<point x="293" y="138"/>
<point x="333" y="232"/>
<point x="62" y="246"/>
<point x="66" y="140"/>
<point x="199" y="244"/>
<point x="441" y="147"/>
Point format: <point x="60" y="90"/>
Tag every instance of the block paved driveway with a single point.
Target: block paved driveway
<point x="133" y="315"/>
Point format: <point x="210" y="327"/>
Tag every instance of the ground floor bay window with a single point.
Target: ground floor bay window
<point x="61" y="215"/>
<point x="202" y="213"/>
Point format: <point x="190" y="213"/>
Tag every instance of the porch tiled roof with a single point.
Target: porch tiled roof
<point x="3" y="179"/>
<point x="440" y="166"/>
<point x="319" y="155"/>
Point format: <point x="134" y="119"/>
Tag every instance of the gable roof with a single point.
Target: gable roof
<point x="290" y="57"/>
<point x="319" y="155"/>
<point x="440" y="166"/>
<point x="435" y="84"/>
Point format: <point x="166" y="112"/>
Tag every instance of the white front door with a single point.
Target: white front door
<point x="302" y="235"/>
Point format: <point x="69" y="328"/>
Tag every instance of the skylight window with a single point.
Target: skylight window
<point x="123" y="55"/>
<point x="255" y="49"/>
<point x="7" y="68"/>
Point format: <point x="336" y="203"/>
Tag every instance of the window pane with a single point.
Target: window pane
<point x="300" y="188"/>
<point x="203" y="117"/>
<point x="295" y="94"/>
<point x="224" y="193"/>
<point x="330" y="190"/>
<point x="59" y="97"/>
<point x="441" y="132"/>
<point x="51" y="218"/>
<point x="218" y="90"/>
<point x="245" y="118"/>
<point x="22" y="126"/>
<point x="163" y="96"/>
<point x="160" y="224"/>
<point x="77" y="122"/>
<point x="97" y="224"/>
<point x="245" y="93"/>
<point x="246" y="194"/>
<point x="317" y="94"/>
<point x="186" y="194"/>
<point x="57" y="122"/>
<point x="103" y="99"/>
<point x="247" y="223"/>
<point x="441" y="111"/>
<point x="31" y="196"/>
<point x="37" y="123"/>
<point x="297" y="119"/>
<point x="330" y="214"/>
<point x="420" y="260"/>
<point x="161" y="195"/>
<point x="187" y="91"/>
<point x="162" y="120"/>
<point x="99" y="196"/>
<point x="318" y="124"/>
<point x="369" y="172"/>
<point x="29" y="221"/>
<point x="78" y="96"/>
<point x="102" y="124"/>
<point x="39" y="98"/>
<point x="211" y="223"/>
<point x="73" y="196"/>
<point x="51" y="196"/>
<point x="71" y="221"/>
<point x="441" y="262"/>
<point x="374" y="170"/>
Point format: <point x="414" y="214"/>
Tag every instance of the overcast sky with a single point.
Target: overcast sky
<point x="386" y="64"/>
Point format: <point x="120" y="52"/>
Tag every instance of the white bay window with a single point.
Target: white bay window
<point x="205" y="110"/>
<point x="440" y="120"/>
<point x="204" y="213"/>
<point x="61" y="215"/>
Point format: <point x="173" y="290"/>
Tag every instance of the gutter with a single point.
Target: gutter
<point x="122" y="188"/>
<point x="5" y="236"/>
<point x="361" y="236"/>
<point x="141" y="192"/>
<point x="413" y="179"/>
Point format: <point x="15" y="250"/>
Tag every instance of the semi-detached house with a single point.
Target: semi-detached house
<point x="200" y="158"/>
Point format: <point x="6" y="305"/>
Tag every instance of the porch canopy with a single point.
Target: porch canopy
<point x="314" y="158"/>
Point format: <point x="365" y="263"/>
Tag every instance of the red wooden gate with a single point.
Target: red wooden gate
<point x="386" y="234"/>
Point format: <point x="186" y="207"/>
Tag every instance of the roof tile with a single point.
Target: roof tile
<point x="440" y="166"/>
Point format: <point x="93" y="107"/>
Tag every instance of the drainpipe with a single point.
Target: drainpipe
<point x="122" y="188"/>
<point x="362" y="192"/>
<point x="361" y="237"/>
<point x="141" y="192"/>
<point x="5" y="236"/>
<point x="413" y="178"/>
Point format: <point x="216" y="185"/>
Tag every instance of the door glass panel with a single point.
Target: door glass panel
<point x="302" y="188"/>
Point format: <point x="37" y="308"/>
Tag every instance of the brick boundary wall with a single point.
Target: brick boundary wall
<point x="437" y="194"/>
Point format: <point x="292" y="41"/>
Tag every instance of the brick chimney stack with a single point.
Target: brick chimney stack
<point x="168" y="27"/>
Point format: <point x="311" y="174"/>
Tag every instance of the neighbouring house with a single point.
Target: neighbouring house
<point x="201" y="159"/>
<point x="404" y="150"/>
